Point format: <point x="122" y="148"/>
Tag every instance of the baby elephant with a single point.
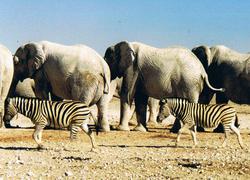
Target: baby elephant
<point x="54" y="114"/>
<point x="203" y="115"/>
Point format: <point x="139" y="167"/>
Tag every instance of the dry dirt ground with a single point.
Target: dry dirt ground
<point x="124" y="155"/>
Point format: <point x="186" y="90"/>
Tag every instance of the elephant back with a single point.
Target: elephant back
<point x="6" y="58"/>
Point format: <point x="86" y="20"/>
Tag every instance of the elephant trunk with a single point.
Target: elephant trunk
<point x="129" y="83"/>
<point x="13" y="87"/>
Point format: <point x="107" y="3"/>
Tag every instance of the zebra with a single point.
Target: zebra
<point x="55" y="114"/>
<point x="203" y="115"/>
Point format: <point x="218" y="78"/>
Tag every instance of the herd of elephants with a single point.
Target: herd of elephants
<point x="142" y="73"/>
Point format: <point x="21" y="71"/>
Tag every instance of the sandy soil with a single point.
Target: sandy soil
<point x="124" y="155"/>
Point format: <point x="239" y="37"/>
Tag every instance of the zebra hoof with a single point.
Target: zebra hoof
<point x="40" y="147"/>
<point x="94" y="150"/>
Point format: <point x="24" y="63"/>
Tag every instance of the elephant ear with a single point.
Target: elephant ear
<point x="35" y="57"/>
<point x="204" y="55"/>
<point x="125" y="56"/>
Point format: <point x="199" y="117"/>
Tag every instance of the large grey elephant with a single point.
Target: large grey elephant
<point x="6" y="74"/>
<point x="69" y="72"/>
<point x="228" y="69"/>
<point x="152" y="72"/>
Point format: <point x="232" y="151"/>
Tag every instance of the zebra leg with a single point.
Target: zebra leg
<point x="237" y="132"/>
<point x="37" y="135"/>
<point x="193" y="133"/>
<point x="73" y="132"/>
<point x="179" y="134"/>
<point x="88" y="131"/>
<point x="226" y="136"/>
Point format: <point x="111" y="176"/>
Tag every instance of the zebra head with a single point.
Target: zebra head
<point x="173" y="105"/>
<point x="164" y="111"/>
<point x="10" y="109"/>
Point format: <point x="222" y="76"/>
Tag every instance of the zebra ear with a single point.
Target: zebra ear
<point x="163" y="101"/>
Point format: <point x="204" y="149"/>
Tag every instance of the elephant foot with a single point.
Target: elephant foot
<point x="123" y="128"/>
<point x="140" y="128"/>
<point x="103" y="128"/>
<point x="152" y="124"/>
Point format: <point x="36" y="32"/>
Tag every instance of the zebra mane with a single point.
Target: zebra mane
<point x="46" y="100"/>
<point x="27" y="98"/>
<point x="165" y="100"/>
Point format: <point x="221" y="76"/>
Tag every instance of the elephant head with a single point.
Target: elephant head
<point x="27" y="60"/>
<point x="121" y="59"/>
<point x="204" y="54"/>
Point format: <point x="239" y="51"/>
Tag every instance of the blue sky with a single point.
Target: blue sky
<point x="101" y="23"/>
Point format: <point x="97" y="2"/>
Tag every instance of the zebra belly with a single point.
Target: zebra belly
<point x="57" y="124"/>
<point x="206" y="123"/>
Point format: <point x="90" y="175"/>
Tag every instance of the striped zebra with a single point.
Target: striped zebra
<point x="203" y="115"/>
<point x="54" y="114"/>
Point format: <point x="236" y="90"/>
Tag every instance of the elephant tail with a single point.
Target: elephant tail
<point x="106" y="77"/>
<point x="211" y="87"/>
<point x="106" y="84"/>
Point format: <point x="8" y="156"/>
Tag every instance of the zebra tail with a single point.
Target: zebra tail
<point x="97" y="128"/>
<point x="236" y="123"/>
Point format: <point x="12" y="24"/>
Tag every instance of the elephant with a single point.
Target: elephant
<point x="228" y="69"/>
<point x="152" y="72"/>
<point x="74" y="72"/>
<point x="6" y="75"/>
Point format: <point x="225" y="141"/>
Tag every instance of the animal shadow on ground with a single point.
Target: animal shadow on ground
<point x="12" y="148"/>
<point x="156" y="147"/>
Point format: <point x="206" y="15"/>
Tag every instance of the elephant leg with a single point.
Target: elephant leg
<point x="206" y="95"/>
<point x="176" y="126"/>
<point x="102" y="106"/>
<point x="125" y="114"/>
<point x="3" y="96"/>
<point x="153" y="105"/>
<point x="220" y="99"/>
<point x="141" y="111"/>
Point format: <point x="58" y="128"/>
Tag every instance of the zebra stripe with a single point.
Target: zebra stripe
<point x="54" y="114"/>
<point x="203" y="115"/>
